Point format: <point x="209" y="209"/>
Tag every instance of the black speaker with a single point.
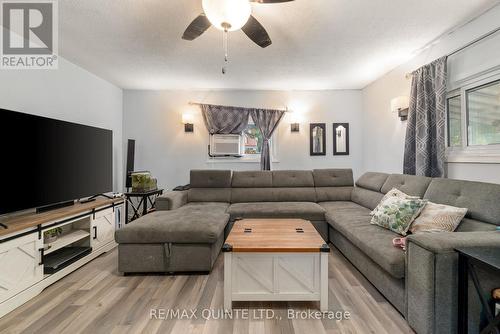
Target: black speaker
<point x="130" y="162"/>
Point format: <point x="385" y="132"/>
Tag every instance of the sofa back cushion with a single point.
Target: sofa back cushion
<point x="275" y="186"/>
<point x="372" y="181"/>
<point x="409" y="184"/>
<point x="482" y="199"/>
<point x="367" y="192"/>
<point x="293" y="186"/>
<point x="292" y="178"/>
<point x="252" y="186"/>
<point x="333" y="184"/>
<point x="252" y="179"/>
<point x="365" y="197"/>
<point x="472" y="225"/>
<point x="210" y="186"/>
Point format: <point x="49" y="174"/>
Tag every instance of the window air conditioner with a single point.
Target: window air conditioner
<point x="225" y="145"/>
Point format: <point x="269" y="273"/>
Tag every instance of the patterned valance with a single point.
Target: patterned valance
<point x="225" y="119"/>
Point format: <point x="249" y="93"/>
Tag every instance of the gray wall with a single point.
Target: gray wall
<point x="384" y="133"/>
<point x="153" y="119"/>
<point x="71" y="94"/>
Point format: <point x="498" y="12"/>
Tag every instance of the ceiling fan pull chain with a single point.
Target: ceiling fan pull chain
<point x="225" y="45"/>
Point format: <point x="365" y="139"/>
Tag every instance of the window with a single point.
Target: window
<point x="454" y="121"/>
<point x="250" y="146"/>
<point x="483" y="114"/>
<point x="252" y="140"/>
<point x="473" y="120"/>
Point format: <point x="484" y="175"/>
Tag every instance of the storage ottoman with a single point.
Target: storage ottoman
<point x="187" y="239"/>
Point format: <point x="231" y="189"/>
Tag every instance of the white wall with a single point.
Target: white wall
<point x="71" y="94"/>
<point x="153" y="119"/>
<point x="384" y="133"/>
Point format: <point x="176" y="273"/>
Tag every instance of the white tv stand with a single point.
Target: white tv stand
<point x="24" y="248"/>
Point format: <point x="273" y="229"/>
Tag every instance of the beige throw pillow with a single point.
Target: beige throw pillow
<point x="438" y="218"/>
<point x="393" y="193"/>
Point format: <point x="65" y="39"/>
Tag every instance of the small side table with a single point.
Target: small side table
<point x="148" y="197"/>
<point x="468" y="259"/>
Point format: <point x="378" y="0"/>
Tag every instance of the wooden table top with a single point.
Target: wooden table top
<point x="29" y="220"/>
<point x="275" y="235"/>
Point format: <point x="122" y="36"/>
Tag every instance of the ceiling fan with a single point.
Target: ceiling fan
<point x="230" y="15"/>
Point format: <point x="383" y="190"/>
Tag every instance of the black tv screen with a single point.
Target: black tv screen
<point x="47" y="161"/>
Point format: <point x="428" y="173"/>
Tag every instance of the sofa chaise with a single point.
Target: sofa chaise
<point x="188" y="229"/>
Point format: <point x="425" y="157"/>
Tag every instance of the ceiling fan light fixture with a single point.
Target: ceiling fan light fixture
<point x="227" y="15"/>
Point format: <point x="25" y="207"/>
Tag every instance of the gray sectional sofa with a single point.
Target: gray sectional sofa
<point x="189" y="228"/>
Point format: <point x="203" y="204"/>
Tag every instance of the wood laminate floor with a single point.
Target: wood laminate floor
<point x="97" y="299"/>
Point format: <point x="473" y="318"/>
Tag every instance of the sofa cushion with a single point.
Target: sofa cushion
<point x="210" y="186"/>
<point x="372" y="181"/>
<point x="344" y="206"/>
<point x="219" y="207"/>
<point x="209" y="195"/>
<point x="188" y="224"/>
<point x="299" y="194"/>
<point x="482" y="199"/>
<point x="324" y="194"/>
<point x="303" y="210"/>
<point x="472" y="225"/>
<point x="409" y="184"/>
<point x="333" y="177"/>
<point x="245" y="195"/>
<point x="292" y="178"/>
<point x="278" y="186"/>
<point x="353" y="222"/>
<point x="171" y="200"/>
<point x="333" y="184"/>
<point x="209" y="178"/>
<point x="252" y="179"/>
<point x="367" y="198"/>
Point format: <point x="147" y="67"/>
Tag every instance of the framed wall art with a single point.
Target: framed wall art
<point x="317" y="139"/>
<point x="340" y="138"/>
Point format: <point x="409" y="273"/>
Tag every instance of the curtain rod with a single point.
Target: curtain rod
<point x="471" y="43"/>
<point x="199" y="104"/>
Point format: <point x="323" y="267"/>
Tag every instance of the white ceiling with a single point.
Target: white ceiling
<point x="317" y="44"/>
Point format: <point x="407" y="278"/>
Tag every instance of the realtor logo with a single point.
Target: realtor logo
<point x="29" y="34"/>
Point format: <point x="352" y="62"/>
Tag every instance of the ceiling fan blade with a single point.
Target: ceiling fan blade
<point x="256" y="32"/>
<point x="196" y="28"/>
<point x="270" y="1"/>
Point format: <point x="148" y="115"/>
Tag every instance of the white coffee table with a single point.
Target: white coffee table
<point x="275" y="259"/>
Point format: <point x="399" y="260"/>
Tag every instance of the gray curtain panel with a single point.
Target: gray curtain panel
<point x="224" y="119"/>
<point x="425" y="134"/>
<point x="267" y="121"/>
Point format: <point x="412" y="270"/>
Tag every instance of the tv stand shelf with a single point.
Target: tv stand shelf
<point x="32" y="258"/>
<point x="66" y="239"/>
<point x="32" y="220"/>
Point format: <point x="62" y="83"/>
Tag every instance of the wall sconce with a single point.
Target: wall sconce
<point x="295" y="127"/>
<point x="401" y="105"/>
<point x="187" y="119"/>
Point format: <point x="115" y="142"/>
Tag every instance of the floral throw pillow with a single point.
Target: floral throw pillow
<point x="397" y="214"/>
<point x="438" y="218"/>
<point x="394" y="192"/>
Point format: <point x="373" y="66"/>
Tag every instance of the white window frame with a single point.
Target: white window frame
<point x="466" y="153"/>
<point x="251" y="158"/>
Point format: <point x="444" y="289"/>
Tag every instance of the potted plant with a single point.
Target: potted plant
<point x="51" y="235"/>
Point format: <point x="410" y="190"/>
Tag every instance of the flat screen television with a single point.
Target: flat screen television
<point x="47" y="161"/>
